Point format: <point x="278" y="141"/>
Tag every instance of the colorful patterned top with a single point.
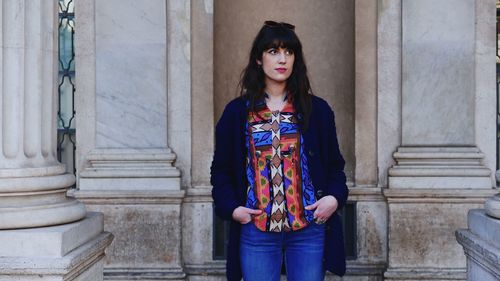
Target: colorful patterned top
<point x="279" y="182"/>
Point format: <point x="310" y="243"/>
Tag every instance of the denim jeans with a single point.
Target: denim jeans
<point x="262" y="253"/>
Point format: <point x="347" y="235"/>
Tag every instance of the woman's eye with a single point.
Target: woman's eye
<point x="272" y="51"/>
<point x="289" y="52"/>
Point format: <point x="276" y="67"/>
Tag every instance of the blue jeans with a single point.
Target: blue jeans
<point x="262" y="253"/>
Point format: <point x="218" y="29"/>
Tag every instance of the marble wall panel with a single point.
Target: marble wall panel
<point x="485" y="94"/>
<point x="438" y="72"/>
<point x="179" y="113"/>
<point x="388" y="85"/>
<point x="131" y="61"/>
<point x="202" y="90"/>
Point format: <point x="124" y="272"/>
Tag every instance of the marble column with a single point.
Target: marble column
<point x="443" y="164"/>
<point x="33" y="183"/>
<point x="37" y="220"/>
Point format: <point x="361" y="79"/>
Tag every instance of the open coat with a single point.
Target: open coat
<point x="326" y="168"/>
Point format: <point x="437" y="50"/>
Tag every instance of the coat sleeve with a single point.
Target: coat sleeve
<point x="336" y="179"/>
<point x="222" y="170"/>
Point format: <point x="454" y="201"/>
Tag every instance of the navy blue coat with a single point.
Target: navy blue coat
<point x="326" y="168"/>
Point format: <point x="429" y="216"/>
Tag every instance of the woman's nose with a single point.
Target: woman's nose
<point x="282" y="57"/>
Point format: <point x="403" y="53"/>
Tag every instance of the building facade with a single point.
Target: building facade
<point x="412" y="83"/>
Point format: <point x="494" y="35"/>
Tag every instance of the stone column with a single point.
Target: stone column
<point x="33" y="184"/>
<point x="443" y="164"/>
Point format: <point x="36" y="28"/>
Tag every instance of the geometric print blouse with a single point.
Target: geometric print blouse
<point x="277" y="172"/>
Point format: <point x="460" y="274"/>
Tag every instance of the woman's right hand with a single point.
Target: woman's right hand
<point x="243" y="215"/>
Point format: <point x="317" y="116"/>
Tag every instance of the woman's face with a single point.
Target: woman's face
<point x="277" y="64"/>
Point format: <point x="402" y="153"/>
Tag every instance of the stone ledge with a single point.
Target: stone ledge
<point x="354" y="268"/>
<point x="203" y="194"/>
<point x="371" y="194"/>
<point x="129" y="183"/>
<point x="144" y="274"/>
<point x="199" y="194"/>
<point x="434" y="181"/>
<point x="447" y="195"/>
<point x="425" y="274"/>
<point x="209" y="268"/>
<point x="121" y="197"/>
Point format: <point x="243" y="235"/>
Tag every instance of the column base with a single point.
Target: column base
<point x="481" y="244"/>
<point x="492" y="206"/>
<point x="36" y="201"/>
<point x="72" y="251"/>
<point x="439" y="167"/>
<point x="130" y="170"/>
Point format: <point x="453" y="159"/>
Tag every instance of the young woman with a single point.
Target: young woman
<point x="277" y="171"/>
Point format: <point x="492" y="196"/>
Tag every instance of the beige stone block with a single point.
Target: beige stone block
<point x="145" y="235"/>
<point x="422" y="234"/>
<point x="371" y="231"/>
<point x="147" y="228"/>
<point x="197" y="230"/>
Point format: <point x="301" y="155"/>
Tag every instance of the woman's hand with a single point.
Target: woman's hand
<point x="243" y="215"/>
<point x="325" y="207"/>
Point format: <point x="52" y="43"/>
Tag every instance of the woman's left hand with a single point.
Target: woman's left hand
<point x="325" y="207"/>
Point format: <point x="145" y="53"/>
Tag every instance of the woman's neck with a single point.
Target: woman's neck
<point x="275" y="91"/>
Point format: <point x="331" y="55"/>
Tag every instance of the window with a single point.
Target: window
<point x="66" y="86"/>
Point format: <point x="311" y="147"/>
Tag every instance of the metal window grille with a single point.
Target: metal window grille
<point x="66" y="142"/>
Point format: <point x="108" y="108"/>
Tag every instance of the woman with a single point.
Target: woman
<point x="277" y="172"/>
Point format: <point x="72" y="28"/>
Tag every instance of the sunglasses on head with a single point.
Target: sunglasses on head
<point x="271" y="23"/>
